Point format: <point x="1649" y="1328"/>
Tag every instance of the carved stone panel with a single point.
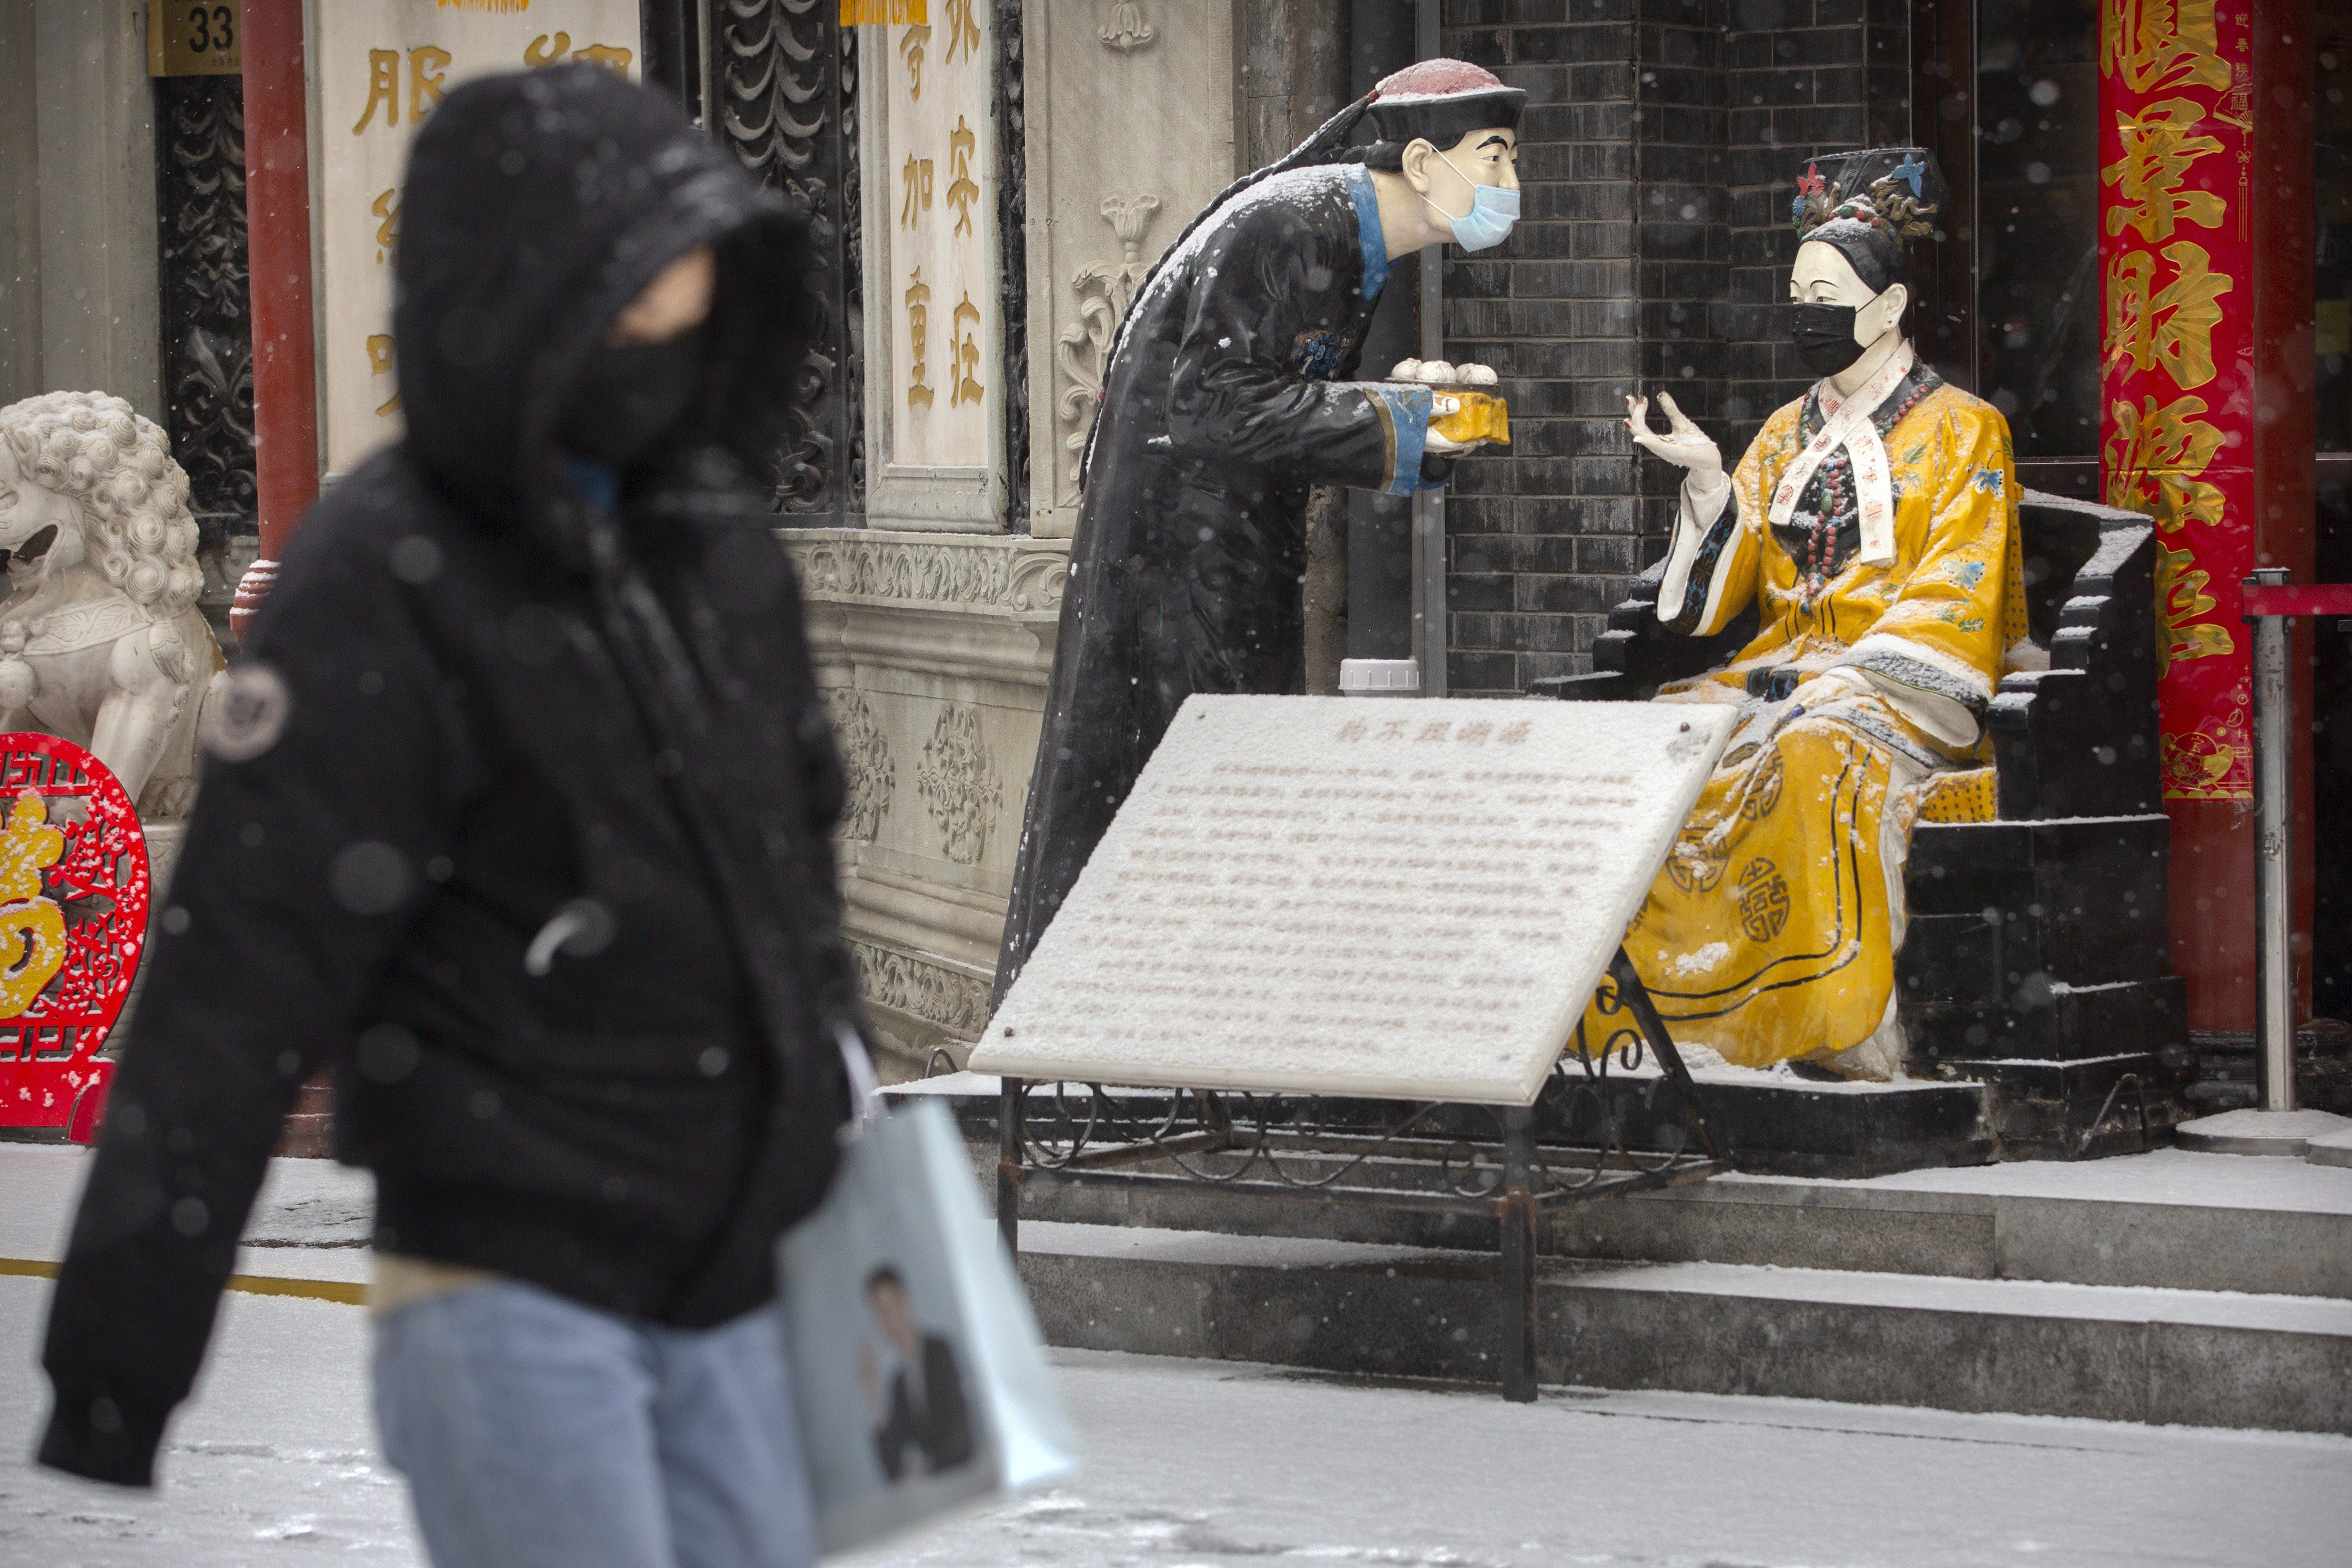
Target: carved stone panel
<point x="1130" y="133"/>
<point x="933" y="651"/>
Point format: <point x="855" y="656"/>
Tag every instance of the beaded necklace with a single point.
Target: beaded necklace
<point x="1832" y="492"/>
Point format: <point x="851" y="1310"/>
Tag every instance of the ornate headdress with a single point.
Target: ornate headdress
<point x="1868" y="205"/>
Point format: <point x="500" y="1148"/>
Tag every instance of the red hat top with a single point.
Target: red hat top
<point x="1443" y="101"/>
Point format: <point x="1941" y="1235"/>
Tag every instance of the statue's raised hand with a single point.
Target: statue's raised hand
<point x="1684" y="445"/>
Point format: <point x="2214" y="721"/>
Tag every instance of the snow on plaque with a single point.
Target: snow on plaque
<point x="1331" y="895"/>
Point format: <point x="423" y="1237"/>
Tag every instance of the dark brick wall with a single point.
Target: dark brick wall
<point x="1662" y="137"/>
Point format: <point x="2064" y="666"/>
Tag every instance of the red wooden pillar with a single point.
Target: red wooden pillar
<point x="277" y="245"/>
<point x="2206" y="234"/>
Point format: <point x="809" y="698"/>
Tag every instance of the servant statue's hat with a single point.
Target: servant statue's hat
<point x="1441" y="101"/>
<point x="1869" y="204"/>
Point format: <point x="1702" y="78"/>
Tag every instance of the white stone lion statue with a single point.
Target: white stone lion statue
<point x="100" y="640"/>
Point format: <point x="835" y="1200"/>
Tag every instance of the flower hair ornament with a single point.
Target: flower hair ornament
<point x="1894" y="205"/>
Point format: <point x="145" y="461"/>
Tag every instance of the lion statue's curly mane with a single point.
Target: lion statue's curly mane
<point x="90" y="446"/>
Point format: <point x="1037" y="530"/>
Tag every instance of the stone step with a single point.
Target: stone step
<point x="2105" y="1352"/>
<point x="2167" y="1219"/>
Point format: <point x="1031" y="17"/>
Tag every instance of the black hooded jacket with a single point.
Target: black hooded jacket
<point x="474" y="703"/>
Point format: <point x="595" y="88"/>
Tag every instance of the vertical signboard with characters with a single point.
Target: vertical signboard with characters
<point x="378" y="68"/>
<point x="927" y="140"/>
<point x="73" y="923"/>
<point x="2176" y="143"/>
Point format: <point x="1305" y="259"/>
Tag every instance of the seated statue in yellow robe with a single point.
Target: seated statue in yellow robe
<point x="1873" y="524"/>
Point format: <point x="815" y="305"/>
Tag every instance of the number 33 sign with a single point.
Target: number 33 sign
<point x="184" y="38"/>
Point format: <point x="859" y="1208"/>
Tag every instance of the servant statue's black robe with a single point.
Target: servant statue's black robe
<point x="1224" y="400"/>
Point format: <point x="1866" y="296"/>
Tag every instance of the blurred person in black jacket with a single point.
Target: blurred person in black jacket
<point x="516" y="818"/>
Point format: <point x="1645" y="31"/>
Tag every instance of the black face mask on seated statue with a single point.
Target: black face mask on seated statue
<point x="1823" y="335"/>
<point x="631" y="396"/>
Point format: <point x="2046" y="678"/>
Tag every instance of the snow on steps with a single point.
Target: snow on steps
<point x="2111" y="1353"/>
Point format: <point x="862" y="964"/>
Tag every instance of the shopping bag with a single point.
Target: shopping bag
<point x="919" y="1374"/>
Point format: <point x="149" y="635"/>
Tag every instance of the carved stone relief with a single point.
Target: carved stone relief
<point x="919" y="572"/>
<point x="865" y="760"/>
<point x="955" y="1002"/>
<point x="1127" y="31"/>
<point x="958" y="779"/>
<point x="1105" y="289"/>
<point x="1143" y="168"/>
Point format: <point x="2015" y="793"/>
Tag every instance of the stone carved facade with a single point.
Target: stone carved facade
<point x="914" y="570"/>
<point x="933" y="650"/>
<point x="1143" y="171"/>
<point x="1105" y="289"/>
<point x="957" y="1003"/>
<point x="959" y="781"/>
<point x="866" y="762"/>
<point x="1127" y="31"/>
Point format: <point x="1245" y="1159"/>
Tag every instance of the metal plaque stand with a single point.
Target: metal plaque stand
<point x="1516" y="1163"/>
<point x="2276" y="1127"/>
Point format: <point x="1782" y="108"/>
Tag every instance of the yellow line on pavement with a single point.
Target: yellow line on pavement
<point x="352" y="1294"/>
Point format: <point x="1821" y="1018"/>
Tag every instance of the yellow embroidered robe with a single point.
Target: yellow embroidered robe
<point x="1772" y="929"/>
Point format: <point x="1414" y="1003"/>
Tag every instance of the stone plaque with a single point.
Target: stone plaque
<point x="377" y="68"/>
<point x="1344" y="896"/>
<point x="934" y="331"/>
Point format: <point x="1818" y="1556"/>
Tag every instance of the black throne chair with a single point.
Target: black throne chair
<point x="2034" y="968"/>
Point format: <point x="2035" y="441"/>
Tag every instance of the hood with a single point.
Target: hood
<point x="536" y="207"/>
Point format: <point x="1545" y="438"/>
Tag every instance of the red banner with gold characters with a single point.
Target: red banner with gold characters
<point x="74" y="885"/>
<point x="2176" y="253"/>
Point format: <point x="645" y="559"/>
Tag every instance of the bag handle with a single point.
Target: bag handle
<point x="865" y="1088"/>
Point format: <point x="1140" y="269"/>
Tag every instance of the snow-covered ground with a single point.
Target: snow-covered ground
<point x="1197" y="1463"/>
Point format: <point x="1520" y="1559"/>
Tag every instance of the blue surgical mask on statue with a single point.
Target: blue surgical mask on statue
<point x="1493" y="210"/>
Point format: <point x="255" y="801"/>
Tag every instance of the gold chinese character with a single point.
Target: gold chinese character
<point x="910" y="48"/>
<point x="1353" y="729"/>
<point x="2181" y="598"/>
<point x="387" y="233"/>
<point x="963" y="31"/>
<point x="379" y="353"/>
<point x="383" y="88"/>
<point x="961" y="192"/>
<point x="1437" y="731"/>
<point x="552" y="50"/>
<point x="1475" y="734"/>
<point x="426" y="67"/>
<point x="2161" y="44"/>
<point x="963" y="353"/>
<point x="919" y="189"/>
<point x="2158" y="147"/>
<point x="2154" y="458"/>
<point x="1514" y="734"/>
<point x="919" y="335"/>
<point x="2171" y="326"/>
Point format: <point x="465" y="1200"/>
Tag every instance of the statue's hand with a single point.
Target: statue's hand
<point x="1684" y="445"/>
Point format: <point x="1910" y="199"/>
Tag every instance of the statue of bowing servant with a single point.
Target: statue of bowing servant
<point x="1228" y="393"/>
<point x="1873" y="523"/>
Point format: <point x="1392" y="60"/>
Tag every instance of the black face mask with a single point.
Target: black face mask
<point x="630" y="396"/>
<point x="1824" y="337"/>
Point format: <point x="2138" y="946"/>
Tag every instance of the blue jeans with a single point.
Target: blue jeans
<point x="536" y="1433"/>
